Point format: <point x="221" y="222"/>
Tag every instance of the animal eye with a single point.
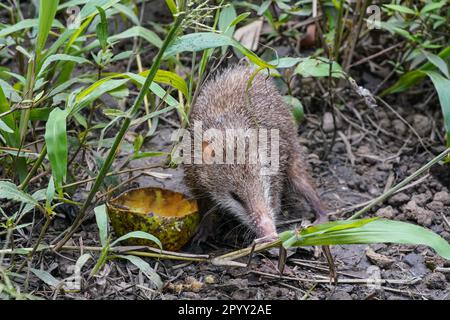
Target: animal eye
<point x="236" y="198"/>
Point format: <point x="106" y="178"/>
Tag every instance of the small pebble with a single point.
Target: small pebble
<point x="435" y="280"/>
<point x="442" y="196"/>
<point x="399" y="199"/>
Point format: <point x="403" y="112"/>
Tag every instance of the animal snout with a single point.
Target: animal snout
<point x="267" y="228"/>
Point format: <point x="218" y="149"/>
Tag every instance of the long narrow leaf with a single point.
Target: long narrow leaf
<point x="139" y="235"/>
<point x="375" y="231"/>
<point x="204" y="40"/>
<point x="442" y="86"/>
<point x="56" y="141"/>
<point x="413" y="77"/>
<point x="25" y="24"/>
<point x="101" y="218"/>
<point x="9" y="190"/>
<point x="47" y="11"/>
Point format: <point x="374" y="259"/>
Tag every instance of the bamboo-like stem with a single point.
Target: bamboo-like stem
<point x="133" y="250"/>
<point x="126" y="123"/>
<point x="246" y="251"/>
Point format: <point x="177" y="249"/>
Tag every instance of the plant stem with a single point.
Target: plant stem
<point x="33" y="170"/>
<point x="36" y="245"/>
<point x="394" y="189"/>
<point x="339" y="28"/>
<point x="126" y="123"/>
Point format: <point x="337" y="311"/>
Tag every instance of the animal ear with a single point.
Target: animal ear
<point x="207" y="152"/>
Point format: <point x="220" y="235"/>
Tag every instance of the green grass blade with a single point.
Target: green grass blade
<point x="9" y="91"/>
<point x="101" y="218"/>
<point x="9" y="191"/>
<point x="170" y="78"/>
<point x="438" y="62"/>
<point x="56" y="141"/>
<point x="375" y="231"/>
<point x="137" y="31"/>
<point x="25" y="24"/>
<point x="91" y="7"/>
<point x="138" y="235"/>
<point x="442" y="86"/>
<point x="47" y="11"/>
<point x="60" y="57"/>
<point x="413" y="77"/>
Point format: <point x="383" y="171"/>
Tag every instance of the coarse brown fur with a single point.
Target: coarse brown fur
<point x="225" y="103"/>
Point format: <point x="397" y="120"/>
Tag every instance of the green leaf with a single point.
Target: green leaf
<point x="49" y="194"/>
<point x="96" y="90"/>
<point x="432" y="6"/>
<point x="25" y="24"/>
<point x="139" y="235"/>
<point x="413" y="77"/>
<point x="4" y="127"/>
<point x="46" y="277"/>
<point x="438" y="62"/>
<point x="286" y="62"/>
<point x="442" y="86"/>
<point x="404" y="34"/>
<point x="56" y="141"/>
<point x="102" y="29"/>
<point x="90" y="8"/>
<point x="204" y="40"/>
<point x="318" y="68"/>
<point x="226" y="18"/>
<point x="56" y="45"/>
<point x="296" y="108"/>
<point x="170" y="78"/>
<point x="367" y="231"/>
<point x="39" y="195"/>
<point x="47" y="11"/>
<point x="238" y="19"/>
<point x="9" y="190"/>
<point x="264" y="6"/>
<point x="128" y="12"/>
<point x="8" y="120"/>
<point x="101" y="218"/>
<point x="60" y="57"/>
<point x="107" y="84"/>
<point x="400" y="8"/>
<point x="138" y="31"/>
<point x="9" y="92"/>
<point x="145" y="268"/>
<point x="137" y="144"/>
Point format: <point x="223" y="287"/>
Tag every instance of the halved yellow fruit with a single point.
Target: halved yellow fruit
<point x="168" y="215"/>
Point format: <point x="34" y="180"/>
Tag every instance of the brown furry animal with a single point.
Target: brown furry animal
<point x="242" y="188"/>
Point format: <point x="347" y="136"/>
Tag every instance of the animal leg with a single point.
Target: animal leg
<point x="302" y="184"/>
